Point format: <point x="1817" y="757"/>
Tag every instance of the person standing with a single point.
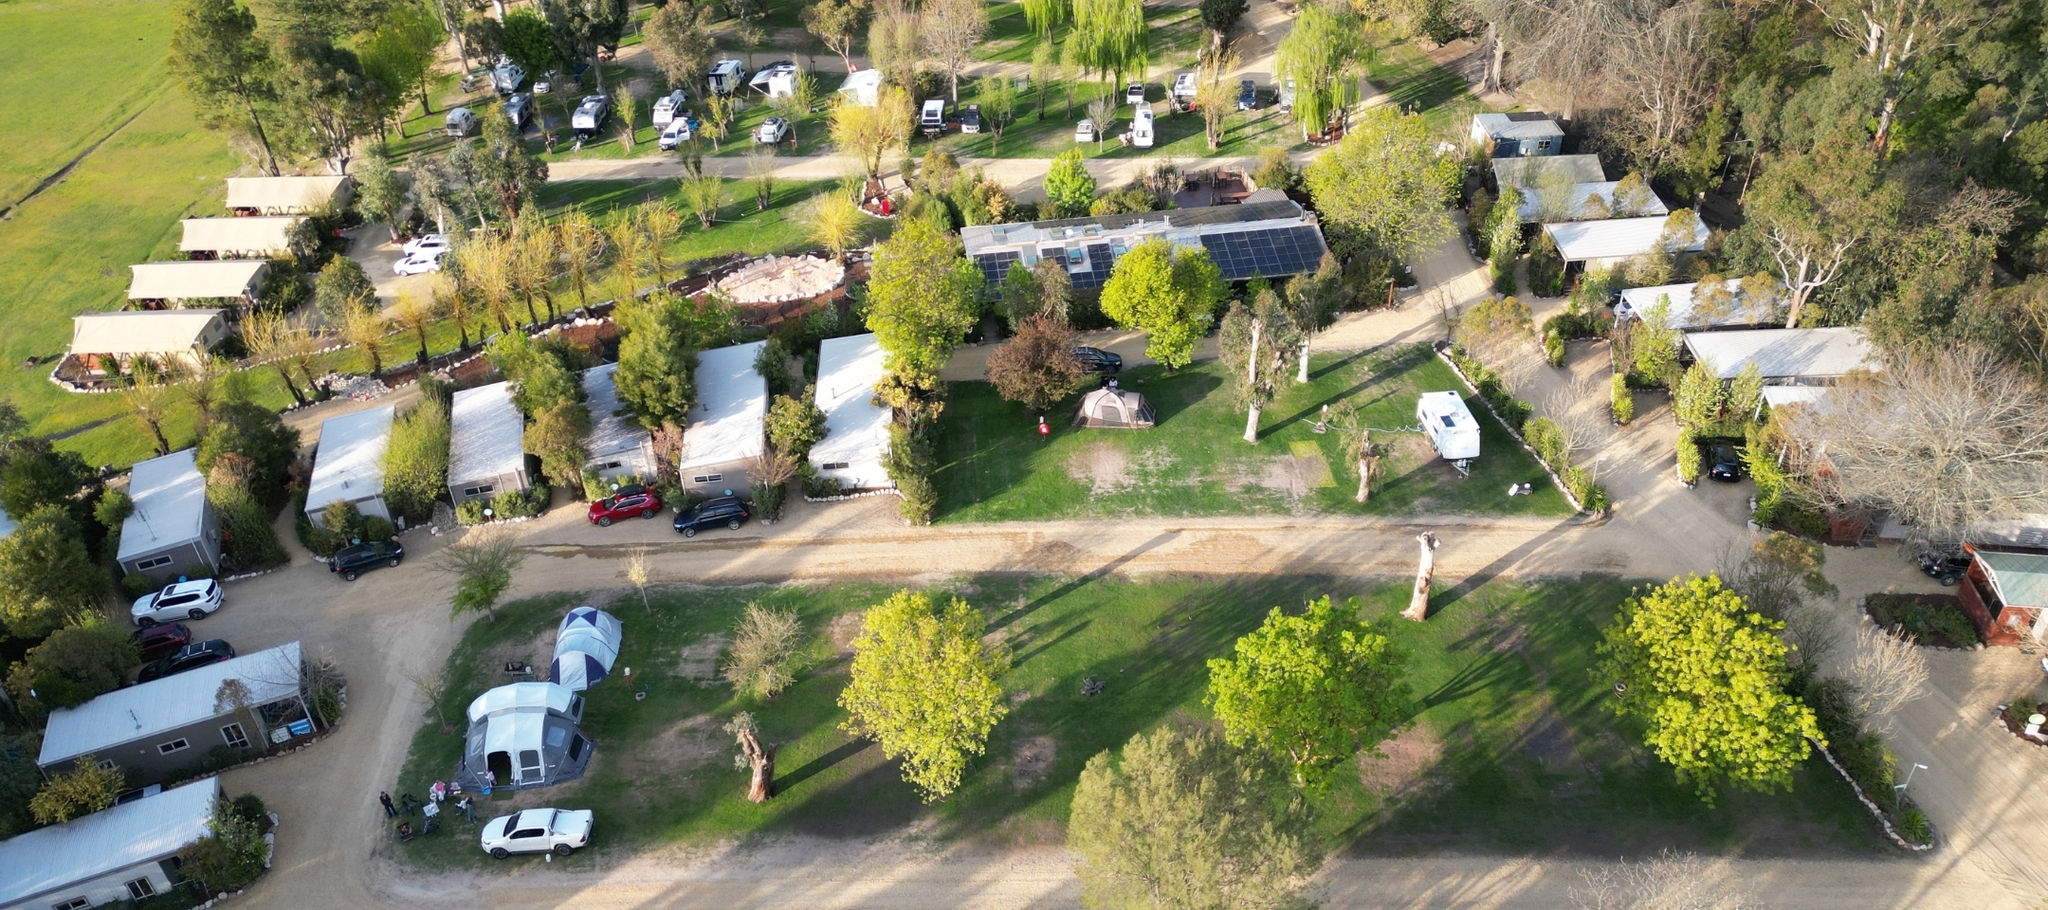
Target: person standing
<point x="384" y="797"/>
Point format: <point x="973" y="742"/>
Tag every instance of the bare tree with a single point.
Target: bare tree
<point x="1886" y="672"/>
<point x="432" y="687"/>
<point x="638" y="575"/>
<point x="1662" y="61"/>
<point x="753" y="757"/>
<point x="1944" y="439"/>
<point x="1102" y="111"/>
<point x="1359" y="447"/>
<point x="761" y="661"/>
<point x="1781" y="577"/>
<point x="1669" y="881"/>
<point x="1425" y="569"/>
<point x="1576" y="409"/>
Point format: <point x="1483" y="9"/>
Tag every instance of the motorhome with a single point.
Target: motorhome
<point x="933" y="120"/>
<point x="1141" y="126"/>
<point x="1449" y="425"/>
<point x="726" y="77"/>
<point x="590" y="114"/>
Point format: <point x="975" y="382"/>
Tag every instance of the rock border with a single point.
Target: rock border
<point x="1883" y="820"/>
<point x="1555" y="481"/>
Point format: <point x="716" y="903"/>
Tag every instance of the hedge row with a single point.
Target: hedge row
<point x="1541" y="436"/>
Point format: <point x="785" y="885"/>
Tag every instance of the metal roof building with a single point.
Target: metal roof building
<point x="1518" y="134"/>
<point x="727" y="427"/>
<point x="1616" y="240"/>
<point x="100" y="858"/>
<point x="486" y="444"/>
<point x="223" y="279"/>
<point x="618" y="446"/>
<point x="1528" y="173"/>
<point x="1273" y="239"/>
<point x="349" y="463"/>
<point x="172" y="528"/>
<point x="130" y="726"/>
<point x="239" y="238"/>
<point x="1685" y="312"/>
<point x="1784" y="356"/>
<point x="856" y="428"/>
<point x="1573" y="203"/>
<point x="286" y="195"/>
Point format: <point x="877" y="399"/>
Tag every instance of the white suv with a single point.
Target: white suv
<point x="537" y="831"/>
<point x="184" y="600"/>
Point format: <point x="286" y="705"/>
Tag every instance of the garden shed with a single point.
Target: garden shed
<point x="1114" y="408"/>
<point x="172" y="530"/>
<point x="1519" y="134"/>
<point x="524" y="735"/>
<point x="122" y="853"/>
<point x="586" y="646"/>
<point x="486" y="451"/>
<point x="348" y="466"/>
<point x="726" y="429"/>
<point x="856" y="428"/>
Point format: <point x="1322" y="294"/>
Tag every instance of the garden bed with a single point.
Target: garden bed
<point x="1933" y="620"/>
<point x="2014" y="718"/>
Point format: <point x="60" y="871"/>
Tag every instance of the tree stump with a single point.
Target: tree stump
<point x="1418" y="603"/>
<point x="762" y="761"/>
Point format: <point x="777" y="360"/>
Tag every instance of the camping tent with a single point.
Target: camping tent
<point x="524" y="735"/>
<point x="585" y="648"/>
<point x="1117" y="408"/>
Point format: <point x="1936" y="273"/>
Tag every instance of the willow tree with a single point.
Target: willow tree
<point x="1045" y="15"/>
<point x="1320" y="54"/>
<point x="1109" y="38"/>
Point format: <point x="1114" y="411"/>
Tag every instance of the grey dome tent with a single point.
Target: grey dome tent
<point x="585" y="648"/>
<point x="1115" y="408"/>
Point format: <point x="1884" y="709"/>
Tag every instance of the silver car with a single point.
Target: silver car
<point x="184" y="600"/>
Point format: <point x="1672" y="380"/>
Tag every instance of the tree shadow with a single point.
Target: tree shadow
<point x="786" y="782"/>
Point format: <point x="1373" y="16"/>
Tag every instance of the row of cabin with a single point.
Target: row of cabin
<point x="725" y="432"/>
<point x="226" y="265"/>
<point x="1571" y="197"/>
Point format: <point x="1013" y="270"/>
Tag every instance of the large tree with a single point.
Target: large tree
<point x="1313" y="301"/>
<point x="1181" y="821"/>
<point x="1170" y="294"/>
<point x="325" y="96"/>
<point x="530" y="44"/>
<point x="926" y="687"/>
<point x="1321" y="53"/>
<point x="657" y="360"/>
<point x="1068" y="185"/>
<point x="1706" y="678"/>
<point x="679" y="37"/>
<point x="256" y="433"/>
<point x="1385" y="188"/>
<point x="401" y="55"/>
<point x="416" y="459"/>
<point x="46" y="575"/>
<point x="1313" y="688"/>
<point x="1255" y="343"/>
<point x="1110" y="38"/>
<point x="921" y="298"/>
<point x="73" y="666"/>
<point x="951" y="35"/>
<point x="870" y="132"/>
<point x="837" y="23"/>
<point x="226" y="69"/>
<point x="1944" y="439"/>
<point x="1036" y="367"/>
<point x="582" y="27"/>
<point x="507" y="174"/>
<point x="1219" y="17"/>
<point x="37" y="474"/>
<point x="1810" y="212"/>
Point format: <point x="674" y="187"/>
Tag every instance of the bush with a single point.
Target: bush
<point x="794" y="423"/>
<point x="1862" y="755"/>
<point x="138" y="585"/>
<point x="768" y="498"/>
<point x="250" y="807"/>
<point x="1688" y="456"/>
<point x="1553" y="347"/>
<point x="1920" y="619"/>
<point x="1502" y="271"/>
<point x="1623" y="401"/>
<point x="470" y="514"/>
<point x="910" y="466"/>
<point x="1546" y="268"/>
<point x="377" y="527"/>
<point x="231" y="858"/>
<point x="1913" y="826"/>
<point x="773" y="362"/>
<point x="815" y="486"/>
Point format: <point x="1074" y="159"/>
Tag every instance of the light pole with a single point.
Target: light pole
<point x="1909" y="778"/>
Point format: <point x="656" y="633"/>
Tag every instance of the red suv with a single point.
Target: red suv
<point x="157" y="642"/>
<point x="626" y="503"/>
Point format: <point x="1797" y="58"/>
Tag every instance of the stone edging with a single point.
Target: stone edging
<point x="1876" y="812"/>
<point x="846" y="496"/>
<point x="1555" y="480"/>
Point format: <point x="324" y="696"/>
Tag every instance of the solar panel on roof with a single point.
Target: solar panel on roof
<point x="996" y="266"/>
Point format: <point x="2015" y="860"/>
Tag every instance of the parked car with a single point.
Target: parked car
<point x="189" y="657"/>
<point x="627" y="502"/>
<point x="1247" y="95"/>
<point x="669" y="106"/>
<point x="970" y="119"/>
<point x="1135" y="94"/>
<point x="426" y="243"/>
<point x="193" y="599"/>
<point x="420" y="263"/>
<point x="537" y="831"/>
<point x="519" y="110"/>
<point x="350" y="562"/>
<point x="546" y="82"/>
<point x="677" y="132"/>
<point x="1724" y="463"/>
<point x="773" y="130"/>
<point x="460" y="122"/>
<point x="1947" y="568"/>
<point x="158" y="642"/>
<point x="1097" y="360"/>
<point x="724" y="510"/>
<point x="1084" y="131"/>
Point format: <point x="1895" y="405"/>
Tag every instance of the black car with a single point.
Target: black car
<point x="725" y="510"/>
<point x="970" y="119"/>
<point x="189" y="657"/>
<point x="1247" y="95"/>
<point x="157" y="642"/>
<point x="1097" y="360"/>
<point x="1724" y="463"/>
<point x="1947" y="568"/>
<point x="350" y="562"/>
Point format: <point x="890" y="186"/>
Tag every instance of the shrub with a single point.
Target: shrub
<point x="250" y="807"/>
<point x="377" y="527"/>
<point x="470" y="514"/>
<point x="910" y="466"/>
<point x="1623" y="401"/>
<point x="138" y="585"/>
<point x="773" y="363"/>
<point x="794" y="423"/>
<point x="1924" y="619"/>
<point x="1862" y="755"/>
<point x="1913" y="826"/>
<point x="768" y="498"/>
<point x="1553" y="347"/>
<point x="1503" y="274"/>
<point x="416" y="459"/>
<point x="1688" y="456"/>
<point x="815" y="486"/>
<point x="1546" y="268"/>
<point x="231" y="858"/>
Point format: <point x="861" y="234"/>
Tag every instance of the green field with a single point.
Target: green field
<point x="993" y="465"/>
<point x="739" y="227"/>
<point x="1512" y="748"/>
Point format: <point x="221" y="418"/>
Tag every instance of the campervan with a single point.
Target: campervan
<point x="1185" y="87"/>
<point x="1141" y="126"/>
<point x="506" y="77"/>
<point x="668" y="106"/>
<point x="590" y="114"/>
<point x="726" y="77"/>
<point x="1449" y="425"/>
<point x="933" y="120"/>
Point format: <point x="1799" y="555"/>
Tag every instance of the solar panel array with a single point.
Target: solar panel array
<point x="1273" y="253"/>
<point x="996" y="266"/>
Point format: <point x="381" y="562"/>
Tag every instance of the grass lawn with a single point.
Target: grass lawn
<point x="1175" y="135"/>
<point x="1512" y="747"/>
<point x="1415" y="83"/>
<point x="783" y="228"/>
<point x="993" y="465"/>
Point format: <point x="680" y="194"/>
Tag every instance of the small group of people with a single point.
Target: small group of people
<point x="430" y="811"/>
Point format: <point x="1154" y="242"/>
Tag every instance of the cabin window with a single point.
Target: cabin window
<point x="836" y="465"/>
<point x="479" y="489"/>
<point x="708" y="478"/>
<point x="233" y="735"/>
<point x="141" y="888"/>
<point x="173" y="747"/>
<point x="149" y="564"/>
<point x="76" y="903"/>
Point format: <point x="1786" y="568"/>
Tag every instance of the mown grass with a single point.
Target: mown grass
<point x="1416" y="84"/>
<point x="739" y="228"/>
<point x="1518" y="751"/>
<point x="1175" y="135"/>
<point x="74" y="73"/>
<point x="993" y="465"/>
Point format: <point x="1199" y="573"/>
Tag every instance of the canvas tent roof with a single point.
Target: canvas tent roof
<point x="485" y="433"/>
<point x="732" y="404"/>
<point x="1782" y="353"/>
<point x="1573" y="203"/>
<point x="349" y="464"/>
<point x="610" y="430"/>
<point x="856" y="429"/>
<point x="283" y="193"/>
<point x="1117" y="408"/>
<point x="586" y="646"/>
<point x="1530" y="172"/>
<point x="270" y="234"/>
<point x="1684" y="313"/>
<point x="1619" y="238"/>
<point x="215" y="280"/>
<point x="158" y="706"/>
<point x="170" y="505"/>
<point x="105" y="842"/>
<point x="141" y="331"/>
<point x="2021" y="578"/>
<point x="536" y="697"/>
<point x="862" y="87"/>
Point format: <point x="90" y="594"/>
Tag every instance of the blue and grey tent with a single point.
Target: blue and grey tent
<point x="585" y="648"/>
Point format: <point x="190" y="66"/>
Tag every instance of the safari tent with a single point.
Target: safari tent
<point x="1116" y="409"/>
